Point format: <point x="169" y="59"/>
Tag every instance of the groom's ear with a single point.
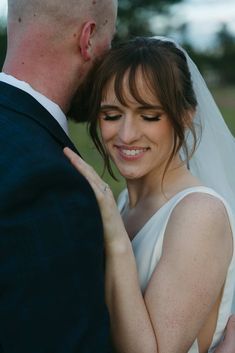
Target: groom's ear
<point x="85" y="40"/>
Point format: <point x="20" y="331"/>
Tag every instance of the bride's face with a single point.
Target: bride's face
<point x="138" y="137"/>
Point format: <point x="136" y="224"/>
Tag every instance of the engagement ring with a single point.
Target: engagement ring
<point x="106" y="187"/>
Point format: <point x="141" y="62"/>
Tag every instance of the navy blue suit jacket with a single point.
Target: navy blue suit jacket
<point x="51" y="248"/>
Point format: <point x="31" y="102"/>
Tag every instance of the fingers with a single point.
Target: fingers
<point x="113" y="227"/>
<point x="73" y="157"/>
<point x="99" y="187"/>
<point x="81" y="165"/>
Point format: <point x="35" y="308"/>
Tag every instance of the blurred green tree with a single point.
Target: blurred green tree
<point x="216" y="63"/>
<point x="134" y="16"/>
<point x="225" y="57"/>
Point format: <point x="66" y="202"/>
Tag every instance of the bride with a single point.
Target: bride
<point x="170" y="263"/>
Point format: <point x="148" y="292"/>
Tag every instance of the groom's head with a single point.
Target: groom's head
<point x="58" y="36"/>
<point x="61" y="15"/>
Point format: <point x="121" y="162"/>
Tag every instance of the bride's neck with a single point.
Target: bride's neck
<point x="161" y="187"/>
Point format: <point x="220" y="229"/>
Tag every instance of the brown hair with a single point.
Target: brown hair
<point x="165" y="70"/>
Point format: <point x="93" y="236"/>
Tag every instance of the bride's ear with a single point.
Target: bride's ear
<point x="85" y="40"/>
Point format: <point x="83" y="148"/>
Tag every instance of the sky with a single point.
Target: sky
<point x="205" y="18"/>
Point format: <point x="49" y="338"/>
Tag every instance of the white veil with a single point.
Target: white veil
<point x="214" y="159"/>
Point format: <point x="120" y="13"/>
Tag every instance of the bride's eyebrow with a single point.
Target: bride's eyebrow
<point x="150" y="106"/>
<point x="140" y="108"/>
<point x="108" y="106"/>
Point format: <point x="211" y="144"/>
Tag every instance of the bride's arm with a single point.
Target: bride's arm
<point x="182" y="289"/>
<point x="188" y="280"/>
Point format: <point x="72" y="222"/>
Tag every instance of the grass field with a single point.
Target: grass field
<point x="225" y="98"/>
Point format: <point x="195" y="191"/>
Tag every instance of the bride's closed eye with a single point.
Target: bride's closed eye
<point x="151" y="118"/>
<point x="110" y="115"/>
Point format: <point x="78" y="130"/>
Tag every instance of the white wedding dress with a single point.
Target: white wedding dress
<point x="147" y="247"/>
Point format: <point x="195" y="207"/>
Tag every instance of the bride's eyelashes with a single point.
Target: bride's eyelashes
<point x="151" y="118"/>
<point x="113" y="117"/>
<point x="110" y="117"/>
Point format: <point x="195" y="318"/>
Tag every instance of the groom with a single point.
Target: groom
<point x="51" y="262"/>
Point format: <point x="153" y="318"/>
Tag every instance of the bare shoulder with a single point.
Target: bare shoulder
<point x="202" y="216"/>
<point x="201" y="206"/>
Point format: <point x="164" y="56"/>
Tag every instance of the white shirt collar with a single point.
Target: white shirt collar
<point x="50" y="106"/>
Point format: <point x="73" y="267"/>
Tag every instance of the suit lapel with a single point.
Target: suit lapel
<point x="21" y="102"/>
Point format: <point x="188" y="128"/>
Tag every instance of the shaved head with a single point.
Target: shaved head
<point x="62" y="11"/>
<point x="52" y="44"/>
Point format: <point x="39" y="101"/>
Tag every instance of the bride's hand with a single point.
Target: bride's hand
<point x="114" y="231"/>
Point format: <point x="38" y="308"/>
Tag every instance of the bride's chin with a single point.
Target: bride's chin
<point x="129" y="175"/>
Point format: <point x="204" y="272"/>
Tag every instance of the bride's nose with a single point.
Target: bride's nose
<point x="129" y="131"/>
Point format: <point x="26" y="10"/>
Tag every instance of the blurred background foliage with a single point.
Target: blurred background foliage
<point x="217" y="63"/>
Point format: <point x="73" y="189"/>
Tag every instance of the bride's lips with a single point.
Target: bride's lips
<point x="131" y="153"/>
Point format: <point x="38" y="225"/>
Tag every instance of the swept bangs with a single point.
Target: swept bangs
<point x="163" y="70"/>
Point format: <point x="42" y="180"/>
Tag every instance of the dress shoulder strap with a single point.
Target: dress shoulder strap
<point x="199" y="189"/>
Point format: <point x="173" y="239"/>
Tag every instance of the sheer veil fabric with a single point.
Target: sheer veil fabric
<point x="214" y="159"/>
